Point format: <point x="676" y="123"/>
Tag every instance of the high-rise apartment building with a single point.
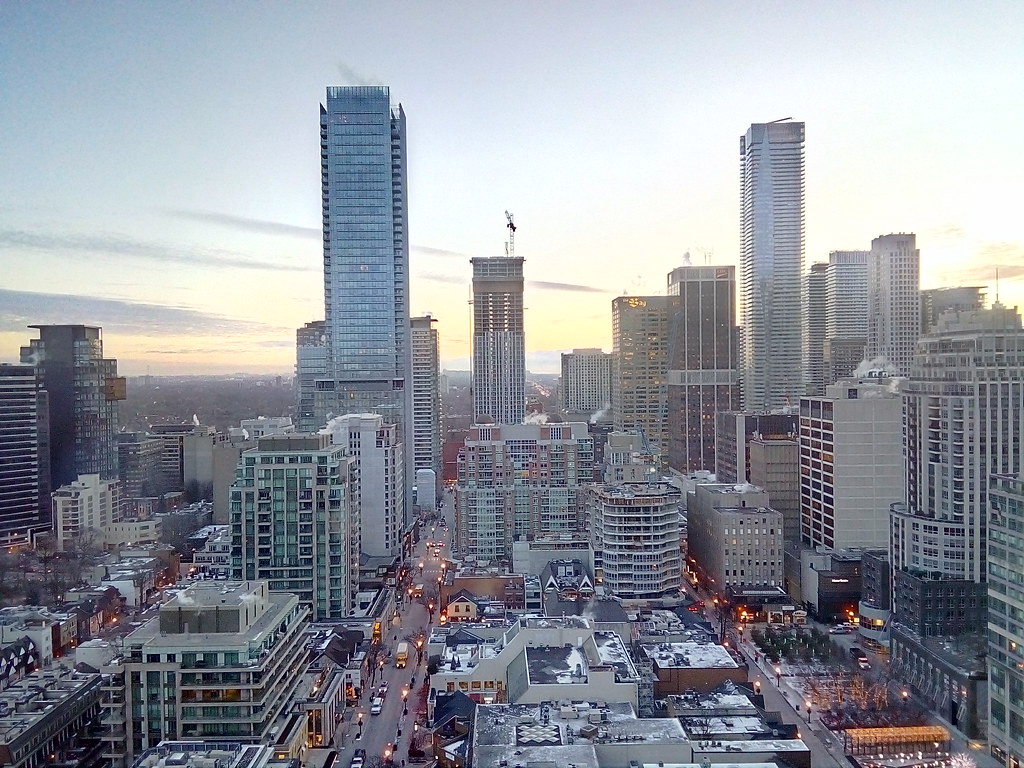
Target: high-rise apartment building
<point x="774" y="464"/>
<point x="83" y="389"/>
<point x="310" y="367"/>
<point x="24" y="455"/>
<point x="846" y="313"/>
<point x="703" y="355"/>
<point x="173" y="438"/>
<point x="87" y="507"/>
<point x="814" y="312"/>
<point x="1005" y="620"/>
<point x="222" y="661"/>
<point x="640" y="358"/>
<point x="140" y="467"/>
<point x="851" y="463"/>
<point x="634" y="522"/>
<point x="499" y="340"/>
<point x="379" y="458"/>
<point x="964" y="422"/>
<point x="894" y="300"/>
<point x="366" y="262"/>
<point x="518" y="481"/>
<point x="771" y="262"/>
<point x="935" y="301"/>
<point x="294" y="521"/>
<point x="586" y="385"/>
<point x="426" y="395"/>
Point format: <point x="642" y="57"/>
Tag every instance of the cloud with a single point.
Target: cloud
<point x="436" y="278"/>
<point x="258" y="226"/>
<point x="947" y="232"/>
<point x="1006" y="257"/>
<point x="428" y="250"/>
<point x="352" y="76"/>
<point x="120" y="245"/>
<point x="573" y="287"/>
<point x="21" y="308"/>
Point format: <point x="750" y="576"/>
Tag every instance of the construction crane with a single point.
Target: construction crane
<point x="510" y="247"/>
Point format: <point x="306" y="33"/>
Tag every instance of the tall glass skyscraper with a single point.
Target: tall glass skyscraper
<point x="366" y="256"/>
<point x="771" y="262"/>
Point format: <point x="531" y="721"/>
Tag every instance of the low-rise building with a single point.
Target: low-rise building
<point x="203" y="754"/>
<point x="570" y="731"/>
<point x="134" y="530"/>
<point x="54" y="634"/>
<point x="213" y="561"/>
<point x="700" y="665"/>
<point x="533" y="660"/>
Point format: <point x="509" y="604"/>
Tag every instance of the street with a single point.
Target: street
<point x="389" y="734"/>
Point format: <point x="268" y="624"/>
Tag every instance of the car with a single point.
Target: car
<point x="839" y="629"/>
<point x="857" y="653"/>
<point x="358" y="759"/>
<point x="376" y="706"/>
<point x="382" y="690"/>
<point x="863" y="664"/>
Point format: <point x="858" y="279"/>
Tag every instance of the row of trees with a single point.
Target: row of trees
<point x="807" y="646"/>
<point x="45" y="574"/>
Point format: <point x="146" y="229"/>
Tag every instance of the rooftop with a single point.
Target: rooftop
<point x="201" y="754"/>
<point x="28" y="701"/>
<point x="556" y="666"/>
<point x="690" y="655"/>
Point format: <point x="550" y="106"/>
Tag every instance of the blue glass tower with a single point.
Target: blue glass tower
<point x="366" y="257"/>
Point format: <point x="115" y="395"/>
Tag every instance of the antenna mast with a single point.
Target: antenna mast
<point x="511" y="249"/>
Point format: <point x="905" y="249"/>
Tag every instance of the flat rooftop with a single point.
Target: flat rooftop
<point x="556" y="666"/>
<point x="690" y="656"/>
<point x="562" y="732"/>
<point x="201" y="754"/>
<point x="28" y="701"/>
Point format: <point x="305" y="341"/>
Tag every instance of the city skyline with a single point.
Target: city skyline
<point x="171" y="197"/>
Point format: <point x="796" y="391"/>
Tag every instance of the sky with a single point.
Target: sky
<point x="159" y="162"/>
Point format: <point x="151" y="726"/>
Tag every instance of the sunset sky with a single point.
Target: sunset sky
<point x="160" y="169"/>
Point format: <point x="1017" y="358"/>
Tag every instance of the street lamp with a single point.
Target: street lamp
<point x="808" y="705"/>
<point x="757" y="687"/>
<point x="778" y="676"/>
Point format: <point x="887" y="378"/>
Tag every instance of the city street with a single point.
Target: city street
<point x="394" y="728"/>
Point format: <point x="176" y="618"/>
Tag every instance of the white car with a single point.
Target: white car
<point x="863" y="664"/>
<point x="376" y="706"/>
<point x="840" y="629"/>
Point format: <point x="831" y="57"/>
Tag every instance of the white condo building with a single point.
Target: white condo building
<point x="814" y="314"/>
<point x="89" y="503"/>
<point x="499" y="340"/>
<point x="771" y="263"/>
<point x="586" y="385"/>
<point x="426" y="395"/>
<point x="379" y="461"/>
<point x="894" y="300"/>
<point x="851" y="463"/>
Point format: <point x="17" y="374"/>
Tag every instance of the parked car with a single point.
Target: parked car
<point x="839" y="629"/>
<point x="863" y="664"/>
<point x="358" y="759"/>
<point x="857" y="653"/>
<point x="376" y="706"/>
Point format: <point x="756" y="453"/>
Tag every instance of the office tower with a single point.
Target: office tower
<point x="846" y="313"/>
<point x="499" y="341"/>
<point x="379" y="457"/>
<point x="518" y="481"/>
<point x="733" y="432"/>
<point x="294" y="521"/>
<point x="1005" y="620"/>
<point x="86" y="507"/>
<point x="310" y="367"/>
<point x="935" y="301"/>
<point x="139" y="465"/>
<point x="734" y="535"/>
<point x="640" y="356"/>
<point x="222" y="661"/>
<point x="964" y="419"/>
<point x="24" y="455"/>
<point x="894" y="300"/>
<point x="586" y="385"/>
<point x="813" y="318"/>
<point x="426" y="395"/>
<point x="771" y="261"/>
<point x="634" y="522"/>
<point x="851" y="463"/>
<point x="774" y="464"/>
<point x="366" y="258"/>
<point x="703" y="355"/>
<point x="83" y="389"/>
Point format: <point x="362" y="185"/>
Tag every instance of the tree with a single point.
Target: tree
<point x="8" y="562"/>
<point x="83" y="553"/>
